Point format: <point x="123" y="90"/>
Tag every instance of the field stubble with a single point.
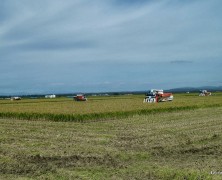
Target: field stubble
<point x="179" y="144"/>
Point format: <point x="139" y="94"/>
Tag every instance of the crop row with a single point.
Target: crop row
<point x="97" y="116"/>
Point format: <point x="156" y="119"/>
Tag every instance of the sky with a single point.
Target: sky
<point x="54" y="46"/>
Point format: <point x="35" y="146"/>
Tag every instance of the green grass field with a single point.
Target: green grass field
<point x="130" y="140"/>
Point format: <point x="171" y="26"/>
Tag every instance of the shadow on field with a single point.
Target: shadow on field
<point x="37" y="165"/>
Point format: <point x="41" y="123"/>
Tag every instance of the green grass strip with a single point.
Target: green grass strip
<point x="97" y="116"/>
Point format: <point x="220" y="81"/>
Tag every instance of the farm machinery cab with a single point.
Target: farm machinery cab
<point x="157" y="95"/>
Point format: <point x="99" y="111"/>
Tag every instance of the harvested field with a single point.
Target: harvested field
<point x="180" y="144"/>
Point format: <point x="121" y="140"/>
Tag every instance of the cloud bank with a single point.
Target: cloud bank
<point x="128" y="44"/>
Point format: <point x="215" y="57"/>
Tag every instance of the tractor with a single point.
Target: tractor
<point x="157" y="95"/>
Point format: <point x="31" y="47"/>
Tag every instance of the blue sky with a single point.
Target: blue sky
<point x="53" y="46"/>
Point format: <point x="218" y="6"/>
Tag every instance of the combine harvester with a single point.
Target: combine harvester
<point x="16" y="98"/>
<point x="204" y="93"/>
<point x="80" y="97"/>
<point x="157" y="95"/>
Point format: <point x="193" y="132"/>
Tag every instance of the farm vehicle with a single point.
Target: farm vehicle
<point x="80" y="97"/>
<point x="156" y="95"/>
<point x="15" y="98"/>
<point x="204" y="93"/>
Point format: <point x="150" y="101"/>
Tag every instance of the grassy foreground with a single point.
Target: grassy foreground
<point x="169" y="145"/>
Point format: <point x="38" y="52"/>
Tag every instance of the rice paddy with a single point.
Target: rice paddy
<point x="121" y="138"/>
<point x="99" y="108"/>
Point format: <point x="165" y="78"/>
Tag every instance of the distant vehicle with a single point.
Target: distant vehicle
<point x="15" y="98"/>
<point x="204" y="93"/>
<point x="50" y="96"/>
<point x="80" y="97"/>
<point x="157" y="95"/>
